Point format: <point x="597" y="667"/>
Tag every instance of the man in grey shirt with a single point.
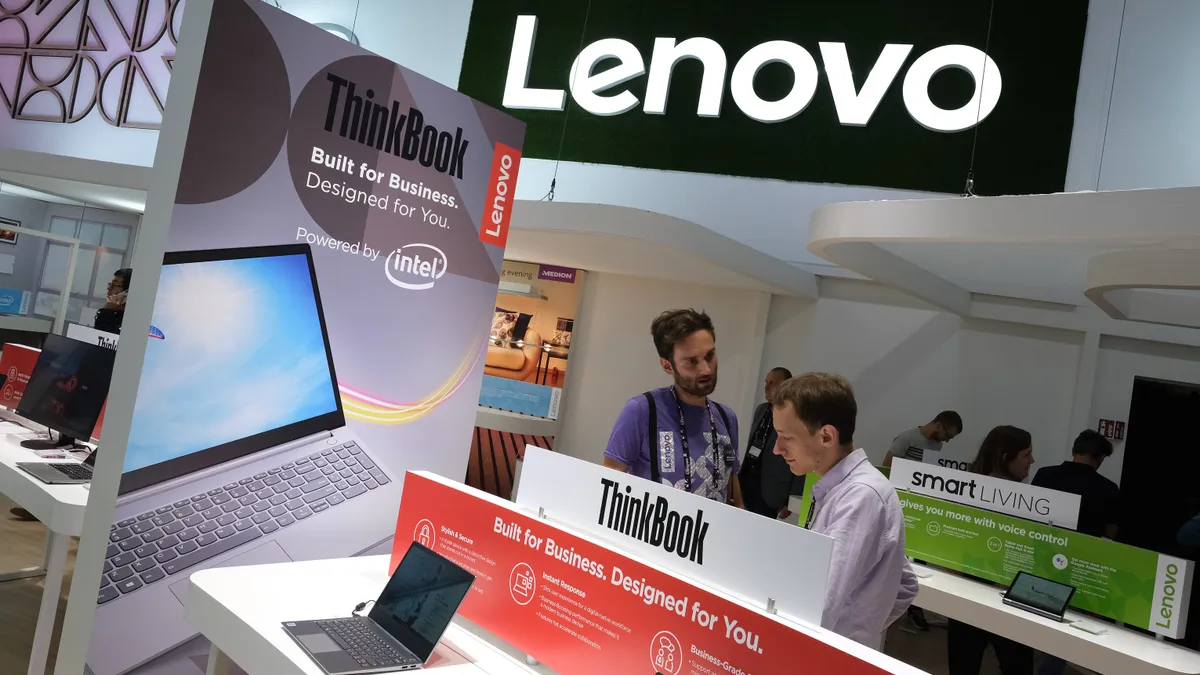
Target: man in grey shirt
<point x="913" y="443"/>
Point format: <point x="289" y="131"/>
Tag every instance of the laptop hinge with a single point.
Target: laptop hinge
<point x="198" y="476"/>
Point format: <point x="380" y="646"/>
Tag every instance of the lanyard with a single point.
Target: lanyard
<point x="683" y="441"/>
<point x="812" y="512"/>
<point x="763" y="430"/>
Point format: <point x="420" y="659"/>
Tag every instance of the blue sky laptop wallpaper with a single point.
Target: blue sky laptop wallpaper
<point x="239" y="351"/>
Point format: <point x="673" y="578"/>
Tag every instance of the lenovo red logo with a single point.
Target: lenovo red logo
<point x="498" y="208"/>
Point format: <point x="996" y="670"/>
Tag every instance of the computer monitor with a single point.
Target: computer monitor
<point x="421" y="599"/>
<point x="66" y="390"/>
<point x="238" y="361"/>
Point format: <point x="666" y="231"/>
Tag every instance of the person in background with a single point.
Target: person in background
<point x="1006" y="453"/>
<point x="108" y="319"/>
<point x="1099" y="500"/>
<point x="913" y="443"/>
<point x="871" y="583"/>
<point x="767" y="482"/>
<point x="110" y="316"/>
<point x="676" y="435"/>
<point x="1099" y="504"/>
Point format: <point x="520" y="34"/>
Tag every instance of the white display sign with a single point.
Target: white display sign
<point x="746" y="555"/>
<point x="938" y="458"/>
<point x="1060" y="509"/>
<point x="88" y="334"/>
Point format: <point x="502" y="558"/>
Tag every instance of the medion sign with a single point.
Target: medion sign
<point x="602" y="93"/>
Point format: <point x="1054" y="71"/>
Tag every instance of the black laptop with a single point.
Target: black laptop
<point x="403" y="626"/>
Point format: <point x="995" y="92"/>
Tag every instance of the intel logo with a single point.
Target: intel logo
<point x="415" y="267"/>
<point x="7" y="299"/>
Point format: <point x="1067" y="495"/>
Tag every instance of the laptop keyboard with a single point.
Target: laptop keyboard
<point x="166" y="541"/>
<point x="73" y="471"/>
<point x="356" y="636"/>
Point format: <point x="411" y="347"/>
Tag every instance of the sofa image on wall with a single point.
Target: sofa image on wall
<point x="511" y="357"/>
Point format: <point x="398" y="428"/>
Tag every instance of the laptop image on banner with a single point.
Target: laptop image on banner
<point x="403" y="626"/>
<point x="238" y="453"/>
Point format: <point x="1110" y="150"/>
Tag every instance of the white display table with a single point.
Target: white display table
<point x="60" y="508"/>
<point x="1119" y="651"/>
<point x="240" y="609"/>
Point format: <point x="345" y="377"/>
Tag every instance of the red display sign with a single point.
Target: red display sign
<point x="584" y="609"/>
<point x="16" y="362"/>
<point x="1112" y="429"/>
<point x="497" y="210"/>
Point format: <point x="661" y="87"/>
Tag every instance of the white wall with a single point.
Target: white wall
<point x="908" y="362"/>
<point x="613" y="357"/>
<point x="28" y="251"/>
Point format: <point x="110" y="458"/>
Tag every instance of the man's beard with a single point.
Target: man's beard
<point x="693" y="388"/>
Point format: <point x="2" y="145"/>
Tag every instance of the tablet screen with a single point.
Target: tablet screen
<point x="1044" y="594"/>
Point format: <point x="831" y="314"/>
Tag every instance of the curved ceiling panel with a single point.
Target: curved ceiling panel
<point x="926" y="248"/>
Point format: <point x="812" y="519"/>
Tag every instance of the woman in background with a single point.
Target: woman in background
<point x="1007" y="453"/>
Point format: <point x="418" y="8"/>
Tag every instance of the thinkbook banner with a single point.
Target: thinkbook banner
<point x="335" y="239"/>
<point x="585" y="608"/>
<point x="683" y="532"/>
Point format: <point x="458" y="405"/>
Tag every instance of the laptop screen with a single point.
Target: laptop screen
<point x="68" y="386"/>
<point x="421" y="599"/>
<point x="1044" y="594"/>
<point x="238" y="361"/>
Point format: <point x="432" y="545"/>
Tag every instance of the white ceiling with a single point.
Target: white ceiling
<point x="74" y="193"/>
<point x="1135" y="254"/>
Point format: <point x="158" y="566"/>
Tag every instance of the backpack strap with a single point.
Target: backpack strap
<point x="652" y="431"/>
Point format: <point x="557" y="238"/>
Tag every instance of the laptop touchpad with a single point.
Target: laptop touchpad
<point x="266" y="554"/>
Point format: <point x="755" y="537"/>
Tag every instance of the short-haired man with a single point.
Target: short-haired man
<point x="766" y="481"/>
<point x="1099" y="503"/>
<point x="676" y="435"/>
<point x="913" y="443"/>
<point x="1099" y="500"/>
<point x="871" y="583"/>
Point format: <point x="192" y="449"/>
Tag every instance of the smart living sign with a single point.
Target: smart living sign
<point x="862" y="91"/>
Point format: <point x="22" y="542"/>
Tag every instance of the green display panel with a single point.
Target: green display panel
<point x="1127" y="584"/>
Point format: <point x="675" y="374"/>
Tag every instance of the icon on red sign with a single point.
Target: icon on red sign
<point x="522" y="583"/>
<point x="425" y="534"/>
<point x="666" y="653"/>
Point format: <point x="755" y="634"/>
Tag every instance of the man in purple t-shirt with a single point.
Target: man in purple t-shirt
<point x="694" y="444"/>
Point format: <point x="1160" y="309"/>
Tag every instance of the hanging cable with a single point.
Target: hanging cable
<point x="587" y="15"/>
<point x="969" y="187"/>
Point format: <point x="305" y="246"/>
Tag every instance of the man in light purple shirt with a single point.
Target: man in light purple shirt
<point x="871" y="583"/>
<point x="678" y="435"/>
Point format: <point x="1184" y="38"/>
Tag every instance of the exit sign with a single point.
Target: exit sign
<point x="1112" y="429"/>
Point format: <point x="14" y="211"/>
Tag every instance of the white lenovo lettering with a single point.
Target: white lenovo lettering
<point x="854" y="107"/>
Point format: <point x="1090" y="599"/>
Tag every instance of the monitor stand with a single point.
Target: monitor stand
<point x="63" y="441"/>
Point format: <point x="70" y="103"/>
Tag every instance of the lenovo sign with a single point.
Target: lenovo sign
<point x="859" y="92"/>
<point x="602" y="94"/>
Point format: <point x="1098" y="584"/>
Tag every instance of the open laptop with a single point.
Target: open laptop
<point x="238" y="452"/>
<point x="66" y="391"/>
<point x="1041" y="596"/>
<point x="61" y="473"/>
<point x="403" y="626"/>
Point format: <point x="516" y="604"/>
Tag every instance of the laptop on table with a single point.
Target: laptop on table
<point x="65" y="393"/>
<point x="238" y="453"/>
<point x="403" y="626"/>
<point x="1041" y="596"/>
